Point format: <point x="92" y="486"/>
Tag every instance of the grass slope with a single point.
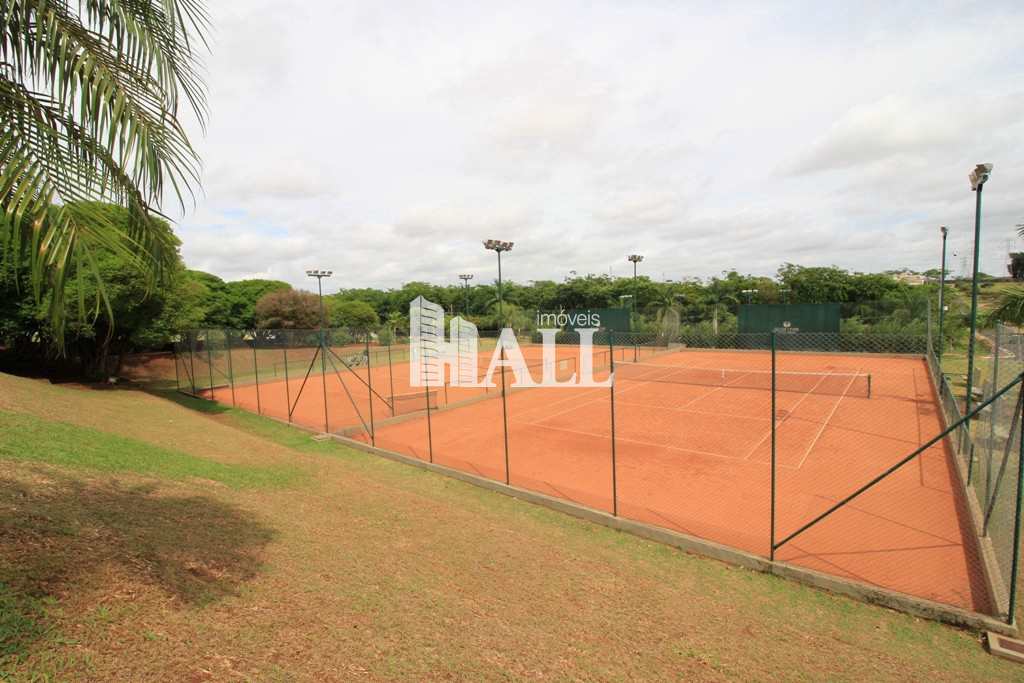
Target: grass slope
<point x="143" y="538"/>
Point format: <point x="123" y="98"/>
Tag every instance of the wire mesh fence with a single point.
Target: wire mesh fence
<point x="846" y="453"/>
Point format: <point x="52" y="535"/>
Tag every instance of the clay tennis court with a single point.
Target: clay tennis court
<point x="693" y="454"/>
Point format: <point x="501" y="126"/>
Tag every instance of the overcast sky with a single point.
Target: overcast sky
<point x="386" y="140"/>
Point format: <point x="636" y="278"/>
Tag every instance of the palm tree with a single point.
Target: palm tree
<point x="89" y="99"/>
<point x="716" y="300"/>
<point x="1009" y="307"/>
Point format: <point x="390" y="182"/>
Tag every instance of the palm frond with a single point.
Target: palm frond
<point x="90" y="94"/>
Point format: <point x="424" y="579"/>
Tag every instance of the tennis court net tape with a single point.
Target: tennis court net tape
<point x="825" y="383"/>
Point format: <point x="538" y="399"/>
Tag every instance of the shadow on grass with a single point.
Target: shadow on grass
<point x="199" y="405"/>
<point x="59" y="534"/>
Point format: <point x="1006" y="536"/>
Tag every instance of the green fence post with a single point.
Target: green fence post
<point x="771" y="553"/>
<point x="369" y="390"/>
<point x="504" y="410"/>
<point x="391" y="377"/>
<point x="611" y="361"/>
<point x="209" y="365"/>
<point x="256" y="370"/>
<point x="1014" y="565"/>
<point x="231" y="365"/>
<point x="287" y="382"/>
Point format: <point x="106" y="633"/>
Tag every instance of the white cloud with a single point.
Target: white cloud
<point x="385" y="142"/>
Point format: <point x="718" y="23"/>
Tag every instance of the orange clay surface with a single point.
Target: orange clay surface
<point x="696" y="459"/>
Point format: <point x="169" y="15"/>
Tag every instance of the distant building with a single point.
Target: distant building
<point x="910" y="278"/>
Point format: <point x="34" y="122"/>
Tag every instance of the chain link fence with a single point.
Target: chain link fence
<point x="846" y="453"/>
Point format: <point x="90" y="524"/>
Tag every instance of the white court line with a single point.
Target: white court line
<point x="825" y="423"/>
<point x="623" y="439"/>
<point x="714" y="413"/>
<point x="644" y="443"/>
<point x="781" y="422"/>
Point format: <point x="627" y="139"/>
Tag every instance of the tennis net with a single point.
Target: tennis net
<point x="825" y="383"/>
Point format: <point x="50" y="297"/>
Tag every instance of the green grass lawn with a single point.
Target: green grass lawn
<point x="157" y="537"/>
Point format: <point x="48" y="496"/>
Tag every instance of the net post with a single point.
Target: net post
<point x="1015" y="563"/>
<point x="256" y="370"/>
<point x="287" y="383"/>
<point x="231" y="365"/>
<point x="771" y="553"/>
<point x="869" y="385"/>
<point x="369" y="389"/>
<point x="615" y="496"/>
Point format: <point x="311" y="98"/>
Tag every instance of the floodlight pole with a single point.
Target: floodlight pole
<point x="635" y="259"/>
<point x="942" y="290"/>
<point x="465" y="277"/>
<point x="499" y="246"/>
<point x="978" y="177"/>
<point x="320" y="275"/>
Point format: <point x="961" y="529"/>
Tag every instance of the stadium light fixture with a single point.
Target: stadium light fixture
<point x="978" y="177"/>
<point x="499" y="246"/>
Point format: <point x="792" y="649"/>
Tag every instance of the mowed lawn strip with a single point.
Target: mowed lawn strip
<point x="353" y="566"/>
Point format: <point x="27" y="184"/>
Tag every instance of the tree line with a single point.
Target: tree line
<point x="132" y="315"/>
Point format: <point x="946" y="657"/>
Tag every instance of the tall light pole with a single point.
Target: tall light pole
<point x="978" y="177"/>
<point x="320" y="275"/>
<point x="942" y="290"/>
<point x="499" y="246"/>
<point x="465" y="277"/>
<point x="784" y="291"/>
<point x="750" y="294"/>
<point x="635" y="259"/>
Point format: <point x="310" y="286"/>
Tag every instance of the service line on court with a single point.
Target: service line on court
<point x="827" y="420"/>
<point x="778" y="425"/>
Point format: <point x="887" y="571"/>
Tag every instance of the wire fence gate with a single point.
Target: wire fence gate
<point x="844" y="453"/>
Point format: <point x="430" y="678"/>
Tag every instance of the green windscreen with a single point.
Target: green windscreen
<point x="789" y="318"/>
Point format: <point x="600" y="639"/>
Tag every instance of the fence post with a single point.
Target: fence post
<point x="209" y="365"/>
<point x="369" y="389"/>
<point x="1014" y="565"/>
<point x="287" y="382"/>
<point x="192" y="361"/>
<point x="256" y="370"/>
<point x="611" y="361"/>
<point x="177" y="377"/>
<point x="504" y="409"/>
<point x="231" y="365"/>
<point x="426" y="393"/>
<point x="391" y="376"/>
<point x="323" y="373"/>
<point x="771" y="554"/>
<point x="993" y="384"/>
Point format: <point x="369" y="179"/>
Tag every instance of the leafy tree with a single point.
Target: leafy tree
<point x="357" y="315"/>
<point x="144" y="318"/>
<point x="818" y="285"/>
<point x="89" y="100"/>
<point x="288" y="309"/>
<point x="1016" y="266"/>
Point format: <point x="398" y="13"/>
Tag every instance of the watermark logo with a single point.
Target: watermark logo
<point x="435" y="360"/>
